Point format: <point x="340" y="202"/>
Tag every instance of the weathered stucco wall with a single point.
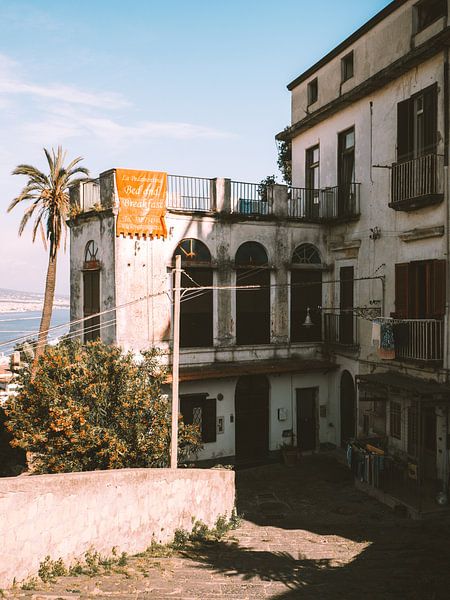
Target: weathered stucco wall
<point x="65" y="515"/>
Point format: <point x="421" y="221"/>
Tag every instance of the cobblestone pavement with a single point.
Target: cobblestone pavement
<point x="307" y="534"/>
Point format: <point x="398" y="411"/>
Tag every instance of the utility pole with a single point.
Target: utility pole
<point x="175" y="363"/>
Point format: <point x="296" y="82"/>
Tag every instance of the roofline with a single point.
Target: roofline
<point x="386" y="11"/>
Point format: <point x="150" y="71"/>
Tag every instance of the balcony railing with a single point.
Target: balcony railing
<point x="340" y="328"/>
<point x="89" y="195"/>
<point x="189" y="193"/>
<point x="419" y="339"/>
<point x="418" y="182"/>
<point x="250" y="198"/>
<point x="327" y="204"/>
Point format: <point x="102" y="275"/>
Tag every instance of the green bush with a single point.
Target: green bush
<point x="92" y="407"/>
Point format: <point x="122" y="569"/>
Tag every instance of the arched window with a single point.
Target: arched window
<point x="196" y="311"/>
<point x="252" y="306"/>
<point x="306" y="292"/>
<point x="306" y="254"/>
<point x="91" y="292"/>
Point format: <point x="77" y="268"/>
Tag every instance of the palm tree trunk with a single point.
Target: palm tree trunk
<point x="47" y="309"/>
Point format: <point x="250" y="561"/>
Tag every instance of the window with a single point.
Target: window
<point x="252" y="306"/>
<point x="395" y="420"/>
<point x="417" y="125"/>
<point x="199" y="410"/>
<point x="429" y="11"/>
<point x="313" y="89"/>
<point x="347" y="67"/>
<point x="306" y="293"/>
<point x="91" y="252"/>
<point x="420" y="289"/>
<point x="346" y="301"/>
<point x="346" y="172"/>
<point x="196" y="311"/>
<point x="312" y="200"/>
<point x="413" y="430"/>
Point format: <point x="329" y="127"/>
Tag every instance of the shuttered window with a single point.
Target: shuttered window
<point x="420" y="289"/>
<point x="417" y="125"/>
<point x="198" y="409"/>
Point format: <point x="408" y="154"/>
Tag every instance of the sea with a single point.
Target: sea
<point x="21" y="325"/>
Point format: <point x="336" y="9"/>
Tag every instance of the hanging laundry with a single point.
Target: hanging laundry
<point x="386" y="351"/>
<point x="376" y="331"/>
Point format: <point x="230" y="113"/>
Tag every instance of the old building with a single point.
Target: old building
<point x="369" y="137"/>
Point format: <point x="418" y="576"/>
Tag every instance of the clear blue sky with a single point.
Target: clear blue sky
<point x="190" y="87"/>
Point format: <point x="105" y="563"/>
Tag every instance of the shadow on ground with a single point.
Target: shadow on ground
<point x="327" y="540"/>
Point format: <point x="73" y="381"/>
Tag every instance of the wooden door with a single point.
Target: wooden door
<point x="306" y="419"/>
<point x="306" y="292"/>
<point x="252" y="418"/>
<point x="91" y="304"/>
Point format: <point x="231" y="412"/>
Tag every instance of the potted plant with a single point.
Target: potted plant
<point x="290" y="452"/>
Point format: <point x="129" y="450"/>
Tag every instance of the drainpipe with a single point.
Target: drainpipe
<point x="447" y="235"/>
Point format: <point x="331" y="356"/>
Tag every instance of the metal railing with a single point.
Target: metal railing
<point x="324" y="204"/>
<point x="422" y="176"/>
<point x="189" y="193"/>
<point x="419" y="339"/>
<point x="89" y="195"/>
<point x="340" y="328"/>
<point x="251" y="198"/>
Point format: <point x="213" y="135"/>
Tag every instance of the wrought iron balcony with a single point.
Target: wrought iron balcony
<point x="328" y="204"/>
<point x="417" y="182"/>
<point x="340" y="328"/>
<point x="419" y="340"/>
<point x="251" y="198"/>
<point x="191" y="194"/>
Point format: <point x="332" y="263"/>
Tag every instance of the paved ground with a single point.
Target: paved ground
<point x="307" y="534"/>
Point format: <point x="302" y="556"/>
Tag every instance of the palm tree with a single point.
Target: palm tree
<point x="49" y="203"/>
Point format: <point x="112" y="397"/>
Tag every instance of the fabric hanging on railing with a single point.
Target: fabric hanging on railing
<point x="386" y="351"/>
<point x="376" y="333"/>
<point x="142" y="203"/>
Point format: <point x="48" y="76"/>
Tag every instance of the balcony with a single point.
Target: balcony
<point x="417" y="183"/>
<point x="340" y="329"/>
<point x="330" y="204"/>
<point x="251" y="198"/>
<point x="419" y="340"/>
<point x="191" y="194"/>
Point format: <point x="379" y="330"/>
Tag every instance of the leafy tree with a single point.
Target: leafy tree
<point x="264" y="185"/>
<point x="49" y="203"/>
<point x="284" y="160"/>
<point x="91" y="407"/>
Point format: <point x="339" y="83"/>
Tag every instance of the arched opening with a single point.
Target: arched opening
<point x="252" y="418"/>
<point x="306" y="292"/>
<point x="196" y="310"/>
<point x="252" y="306"/>
<point x="348" y="408"/>
<point x="91" y="292"/>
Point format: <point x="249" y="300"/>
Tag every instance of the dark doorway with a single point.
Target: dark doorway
<point x="346" y="299"/>
<point x="91" y="304"/>
<point x="306" y="292"/>
<point x="348" y="408"/>
<point x="252" y="418"/>
<point x="306" y="419"/>
<point x="252" y="306"/>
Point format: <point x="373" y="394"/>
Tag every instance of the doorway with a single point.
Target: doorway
<point x="306" y="419"/>
<point x="252" y="418"/>
<point x="348" y="408"/>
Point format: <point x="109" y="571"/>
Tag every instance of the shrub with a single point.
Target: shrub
<point x="92" y="407"/>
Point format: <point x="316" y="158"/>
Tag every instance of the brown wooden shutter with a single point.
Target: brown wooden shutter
<point x="402" y="291"/>
<point x="438" y="278"/>
<point x="404" y="130"/>
<point x="209" y="421"/>
<point x="430" y="119"/>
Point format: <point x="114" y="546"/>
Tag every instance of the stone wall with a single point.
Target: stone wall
<point x="64" y="515"/>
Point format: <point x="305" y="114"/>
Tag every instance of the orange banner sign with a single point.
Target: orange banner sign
<point x="142" y="202"/>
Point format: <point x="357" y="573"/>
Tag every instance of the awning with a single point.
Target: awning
<point x="221" y="370"/>
<point x="424" y="390"/>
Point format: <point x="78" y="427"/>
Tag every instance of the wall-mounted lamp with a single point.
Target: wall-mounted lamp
<point x="308" y="321"/>
<point x="219" y="397"/>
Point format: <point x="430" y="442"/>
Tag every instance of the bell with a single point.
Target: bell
<point x="308" y="321"/>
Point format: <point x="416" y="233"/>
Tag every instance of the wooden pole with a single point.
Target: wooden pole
<point x="175" y="363"/>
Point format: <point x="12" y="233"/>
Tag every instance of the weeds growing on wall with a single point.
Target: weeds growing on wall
<point x="92" y="407"/>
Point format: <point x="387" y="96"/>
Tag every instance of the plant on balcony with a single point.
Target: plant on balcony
<point x="91" y="407"/>
<point x="284" y="160"/>
<point x="264" y="186"/>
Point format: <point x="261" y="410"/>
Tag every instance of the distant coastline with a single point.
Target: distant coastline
<point x="14" y="301"/>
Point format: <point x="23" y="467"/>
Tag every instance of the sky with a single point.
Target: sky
<point x="189" y="87"/>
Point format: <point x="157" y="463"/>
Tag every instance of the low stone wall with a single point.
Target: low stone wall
<point x="66" y="514"/>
